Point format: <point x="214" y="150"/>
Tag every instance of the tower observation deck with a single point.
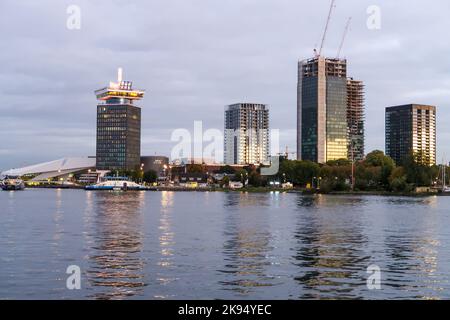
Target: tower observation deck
<point x="118" y="126"/>
<point x="120" y="91"/>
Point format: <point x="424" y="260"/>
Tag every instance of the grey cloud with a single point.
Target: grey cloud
<point x="194" y="57"/>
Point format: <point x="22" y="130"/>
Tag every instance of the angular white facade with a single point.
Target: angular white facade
<point x="247" y="134"/>
<point x="53" y="169"/>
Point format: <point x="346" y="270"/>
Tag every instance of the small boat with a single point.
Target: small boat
<point x="442" y="174"/>
<point x="10" y="183"/>
<point x="116" y="184"/>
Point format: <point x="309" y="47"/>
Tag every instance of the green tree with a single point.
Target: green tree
<point x="194" y="168"/>
<point x="225" y="181"/>
<point x="255" y="179"/>
<point x="327" y="185"/>
<point x="299" y="173"/>
<point x="339" y="163"/>
<point x="241" y="175"/>
<point x="377" y="158"/>
<point x="447" y="176"/>
<point x="150" y="176"/>
<point x="418" y="173"/>
<point x="397" y="173"/>
<point x="226" y="169"/>
<point x="400" y="185"/>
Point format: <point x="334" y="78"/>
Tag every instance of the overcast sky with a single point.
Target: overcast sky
<point x="193" y="57"/>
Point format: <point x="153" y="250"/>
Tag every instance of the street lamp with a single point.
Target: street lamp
<point x="166" y="172"/>
<point x="142" y="172"/>
<point x="353" y="164"/>
<point x="245" y="178"/>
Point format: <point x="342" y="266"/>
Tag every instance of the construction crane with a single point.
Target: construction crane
<point x="347" y="27"/>
<point x="330" y="13"/>
<point x="286" y="153"/>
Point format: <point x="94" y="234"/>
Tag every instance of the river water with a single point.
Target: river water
<point x="214" y="245"/>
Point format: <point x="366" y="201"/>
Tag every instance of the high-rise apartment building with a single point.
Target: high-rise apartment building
<point x="118" y="126"/>
<point x="322" y="133"/>
<point x="246" y="134"/>
<point x="355" y="119"/>
<point x="411" y="129"/>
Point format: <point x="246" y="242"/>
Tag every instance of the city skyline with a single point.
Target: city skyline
<point x="176" y="60"/>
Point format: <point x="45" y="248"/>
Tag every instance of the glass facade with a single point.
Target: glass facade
<point x="398" y="133"/>
<point x="336" y="133"/>
<point x="411" y="129"/>
<point x="309" y="118"/>
<point x="322" y="134"/>
<point x="118" y="126"/>
<point x="118" y="137"/>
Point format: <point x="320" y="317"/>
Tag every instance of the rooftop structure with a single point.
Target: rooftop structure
<point x="118" y="126"/>
<point x="119" y="90"/>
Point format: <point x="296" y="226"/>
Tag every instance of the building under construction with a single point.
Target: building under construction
<point x="355" y="119"/>
<point x="330" y="111"/>
<point x="330" y="107"/>
<point x="322" y="133"/>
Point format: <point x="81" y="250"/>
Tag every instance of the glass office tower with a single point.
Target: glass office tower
<point x="118" y="126"/>
<point x="411" y="129"/>
<point x="322" y="132"/>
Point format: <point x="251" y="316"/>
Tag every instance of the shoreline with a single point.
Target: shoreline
<point x="264" y="190"/>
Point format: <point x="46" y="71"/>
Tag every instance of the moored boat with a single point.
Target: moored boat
<point x="443" y="177"/>
<point x="10" y="183"/>
<point x="116" y="184"/>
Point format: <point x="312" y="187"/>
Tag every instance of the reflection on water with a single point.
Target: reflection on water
<point x="246" y="200"/>
<point x="409" y="201"/>
<point x="166" y="241"/>
<point x="413" y="249"/>
<point x="247" y="243"/>
<point x="116" y="237"/>
<point x="329" y="247"/>
<point x="176" y="245"/>
<point x="58" y="216"/>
